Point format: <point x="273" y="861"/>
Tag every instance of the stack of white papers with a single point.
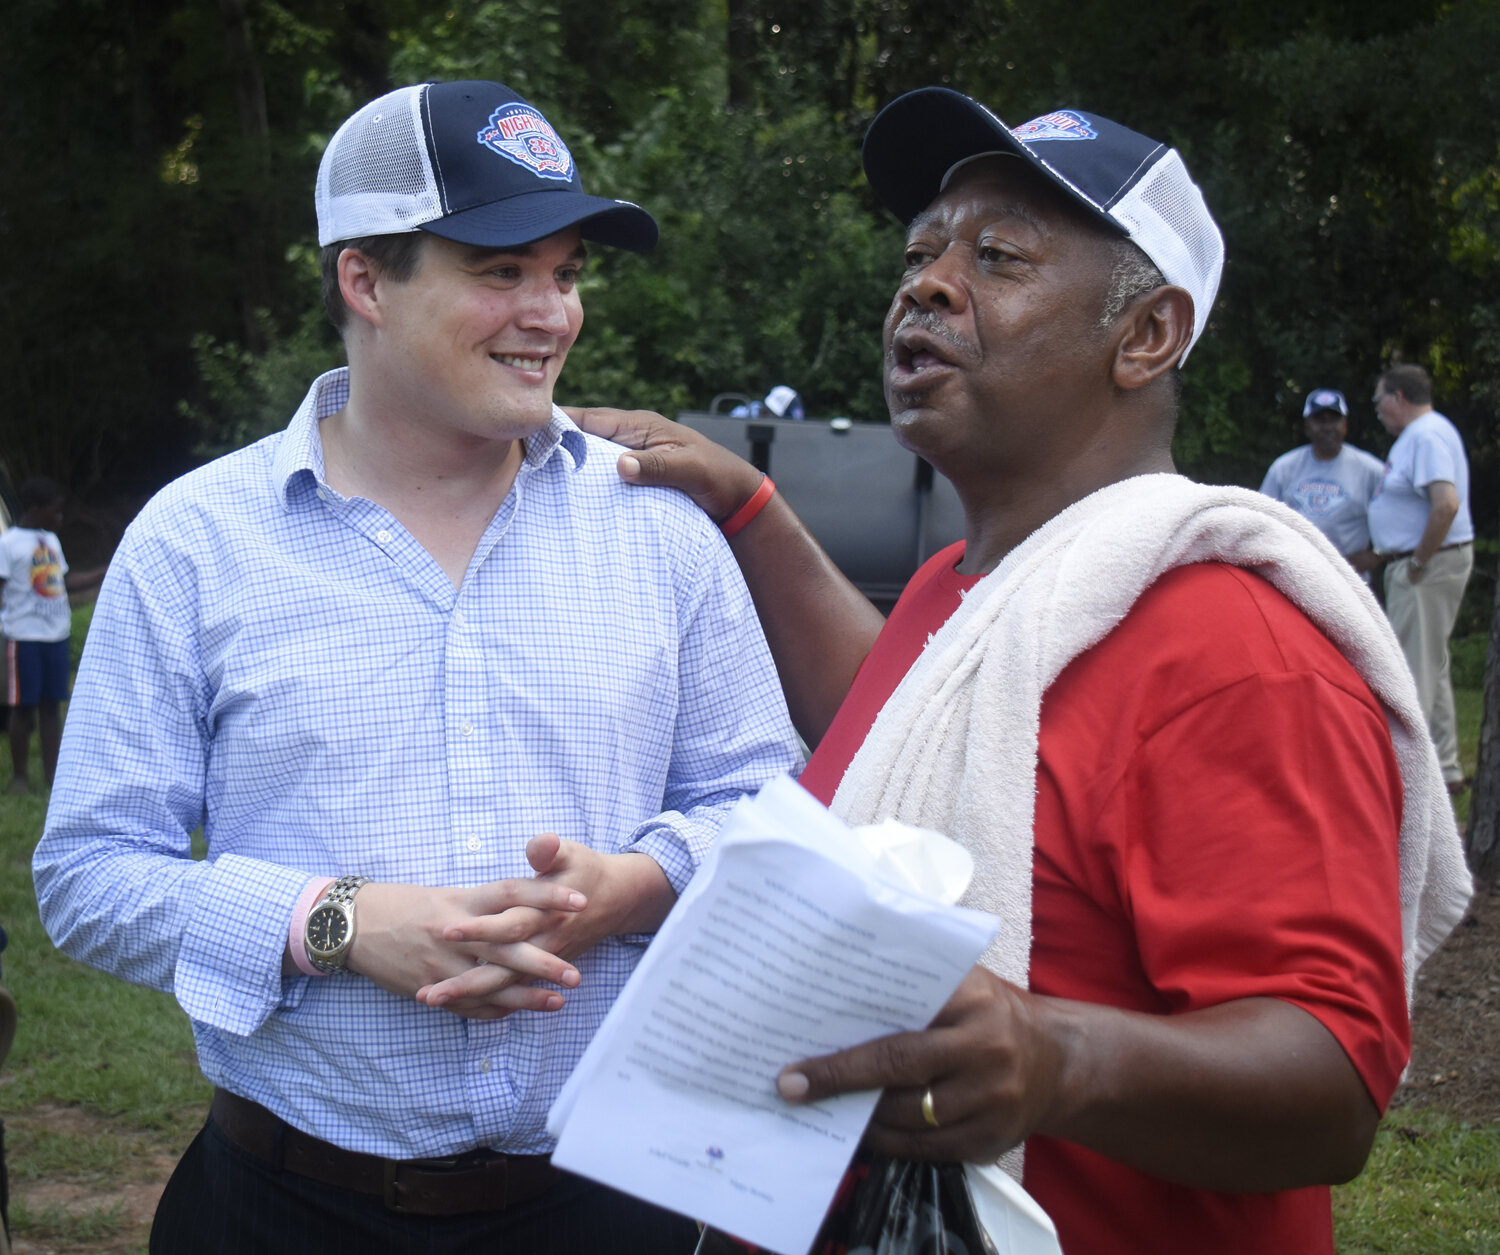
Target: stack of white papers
<point x="795" y="939"/>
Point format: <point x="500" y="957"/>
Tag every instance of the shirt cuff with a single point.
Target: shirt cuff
<point x="228" y="972"/>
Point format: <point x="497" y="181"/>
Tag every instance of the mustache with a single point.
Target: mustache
<point x="934" y="325"/>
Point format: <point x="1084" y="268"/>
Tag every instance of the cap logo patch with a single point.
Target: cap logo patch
<point x="1064" y="124"/>
<point x="518" y="132"/>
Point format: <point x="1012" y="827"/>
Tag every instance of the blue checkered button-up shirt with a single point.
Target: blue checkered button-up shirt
<point x="292" y="670"/>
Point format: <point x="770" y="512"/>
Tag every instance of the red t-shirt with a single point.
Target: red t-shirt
<point x="1217" y="813"/>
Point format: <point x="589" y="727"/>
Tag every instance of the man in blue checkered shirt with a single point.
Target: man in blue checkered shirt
<point x="459" y="714"/>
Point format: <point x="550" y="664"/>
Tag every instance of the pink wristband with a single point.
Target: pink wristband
<point x="296" y="935"/>
<point x="736" y="522"/>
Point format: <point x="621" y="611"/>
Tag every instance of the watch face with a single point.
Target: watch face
<point x="327" y="930"/>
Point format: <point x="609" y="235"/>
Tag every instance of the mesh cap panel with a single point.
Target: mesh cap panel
<point x="376" y="178"/>
<point x="469" y="161"/>
<point x="1166" y="217"/>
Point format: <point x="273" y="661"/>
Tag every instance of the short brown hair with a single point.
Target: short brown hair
<point x="1411" y="381"/>
<point x="397" y="256"/>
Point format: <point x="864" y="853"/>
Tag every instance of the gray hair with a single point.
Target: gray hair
<point x="1134" y="275"/>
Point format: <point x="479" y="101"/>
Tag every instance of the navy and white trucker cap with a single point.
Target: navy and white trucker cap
<point x="1131" y="185"/>
<point x="1325" y="399"/>
<point x="469" y="161"/>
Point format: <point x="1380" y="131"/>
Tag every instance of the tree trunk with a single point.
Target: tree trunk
<point x="741" y="54"/>
<point x="1483" y="835"/>
<point x="253" y="240"/>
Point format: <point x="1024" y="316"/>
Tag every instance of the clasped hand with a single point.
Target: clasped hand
<point x="479" y="952"/>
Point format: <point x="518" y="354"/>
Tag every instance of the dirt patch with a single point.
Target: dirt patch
<point x="89" y="1213"/>
<point x="1455" y="1060"/>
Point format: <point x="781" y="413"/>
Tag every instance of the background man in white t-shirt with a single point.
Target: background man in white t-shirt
<point x="1420" y="522"/>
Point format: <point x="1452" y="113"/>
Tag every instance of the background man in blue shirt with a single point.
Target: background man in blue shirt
<point x="458" y="712"/>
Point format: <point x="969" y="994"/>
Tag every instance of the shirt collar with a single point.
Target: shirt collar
<point x="559" y="433"/>
<point x="300" y="451"/>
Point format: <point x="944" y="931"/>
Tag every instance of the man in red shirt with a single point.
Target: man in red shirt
<point x="1167" y="719"/>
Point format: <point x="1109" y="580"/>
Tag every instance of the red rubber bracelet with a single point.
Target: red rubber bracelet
<point x="736" y="522"/>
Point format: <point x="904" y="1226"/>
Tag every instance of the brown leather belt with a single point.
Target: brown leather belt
<point x="479" y="1180"/>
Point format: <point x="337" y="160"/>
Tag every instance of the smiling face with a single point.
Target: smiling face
<point x="995" y="357"/>
<point x="472" y="344"/>
<point x="1326" y="429"/>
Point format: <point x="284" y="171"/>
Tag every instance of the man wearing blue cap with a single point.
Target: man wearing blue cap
<point x="1328" y="481"/>
<point x="1170" y="725"/>
<point x="457" y="711"/>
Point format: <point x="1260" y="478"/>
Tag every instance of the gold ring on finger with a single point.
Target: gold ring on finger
<point x="928" y="1113"/>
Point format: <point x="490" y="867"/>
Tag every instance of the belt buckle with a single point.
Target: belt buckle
<point x="391" y="1184"/>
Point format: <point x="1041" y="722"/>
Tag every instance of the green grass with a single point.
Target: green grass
<point x="82" y="1037"/>
<point x="1432" y="1187"/>
<point x="103" y="1077"/>
<point x="76" y="1228"/>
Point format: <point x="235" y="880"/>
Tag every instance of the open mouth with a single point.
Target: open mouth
<point x="914" y="353"/>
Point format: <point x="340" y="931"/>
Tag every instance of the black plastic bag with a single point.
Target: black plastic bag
<point x="889" y="1207"/>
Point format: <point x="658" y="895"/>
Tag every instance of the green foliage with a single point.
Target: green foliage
<point x="155" y="304"/>
<point x="249" y="395"/>
<point x="484" y="41"/>
<point x="1478" y="606"/>
<point x="1466" y="660"/>
<point x="770" y="269"/>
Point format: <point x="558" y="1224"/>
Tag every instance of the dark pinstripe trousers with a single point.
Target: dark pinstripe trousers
<point x="221" y="1201"/>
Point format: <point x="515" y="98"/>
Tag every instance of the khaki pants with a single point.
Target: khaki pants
<point x="1423" y="615"/>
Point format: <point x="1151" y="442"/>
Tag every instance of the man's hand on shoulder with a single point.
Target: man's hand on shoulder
<point x="668" y="455"/>
<point x="624" y="893"/>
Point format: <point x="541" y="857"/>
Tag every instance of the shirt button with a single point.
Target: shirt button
<point x="485" y="1065"/>
<point x="474" y="843"/>
<point x="383" y="536"/>
<point x="466" y="728"/>
<point x="458" y="618"/>
<point x="325" y="494"/>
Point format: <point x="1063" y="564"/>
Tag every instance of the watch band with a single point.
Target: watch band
<point x="344" y="889"/>
<point x="296" y="936"/>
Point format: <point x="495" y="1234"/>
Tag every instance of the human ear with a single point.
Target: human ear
<point x="357" y="278"/>
<point x="1153" y="334"/>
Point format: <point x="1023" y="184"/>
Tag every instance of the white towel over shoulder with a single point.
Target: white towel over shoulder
<point x="955" y="747"/>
